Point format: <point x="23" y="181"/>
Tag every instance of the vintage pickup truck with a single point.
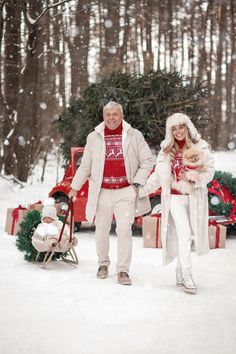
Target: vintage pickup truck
<point x="61" y="190"/>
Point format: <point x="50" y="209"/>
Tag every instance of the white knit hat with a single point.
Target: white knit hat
<point x="49" y="209"/>
<point x="177" y="119"/>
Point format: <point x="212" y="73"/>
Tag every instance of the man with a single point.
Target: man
<point x="116" y="161"/>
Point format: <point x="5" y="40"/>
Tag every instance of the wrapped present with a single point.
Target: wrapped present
<point x="217" y="235"/>
<point x="14" y="217"/>
<point x="151" y="230"/>
<point x="36" y="206"/>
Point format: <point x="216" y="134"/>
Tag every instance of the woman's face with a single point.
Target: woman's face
<point x="180" y="132"/>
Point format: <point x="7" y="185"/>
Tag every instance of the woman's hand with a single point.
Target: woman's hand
<point x="189" y="176"/>
<point x="183" y="177"/>
<point x="192" y="176"/>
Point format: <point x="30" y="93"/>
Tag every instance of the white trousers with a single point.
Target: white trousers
<point x="119" y="202"/>
<point x="179" y="209"/>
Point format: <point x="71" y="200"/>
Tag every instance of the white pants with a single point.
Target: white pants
<point x="179" y="209"/>
<point x="119" y="202"/>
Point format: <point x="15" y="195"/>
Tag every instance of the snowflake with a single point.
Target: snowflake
<point x="231" y="145"/>
<point x="112" y="50"/>
<point x="43" y="105"/>
<point x="108" y="23"/>
<point x="21" y="140"/>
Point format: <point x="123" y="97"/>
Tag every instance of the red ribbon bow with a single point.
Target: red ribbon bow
<point x="15" y="216"/>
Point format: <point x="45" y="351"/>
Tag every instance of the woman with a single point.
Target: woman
<point x="184" y="211"/>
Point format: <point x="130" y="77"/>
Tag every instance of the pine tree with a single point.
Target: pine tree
<point x="147" y="101"/>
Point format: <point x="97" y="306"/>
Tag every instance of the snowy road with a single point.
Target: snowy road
<point x="67" y="310"/>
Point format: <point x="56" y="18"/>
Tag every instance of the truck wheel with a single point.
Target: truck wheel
<point x="77" y="226"/>
<point x="64" y="201"/>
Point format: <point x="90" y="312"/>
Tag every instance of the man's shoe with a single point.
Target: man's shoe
<point x="189" y="285"/>
<point x="179" y="277"/>
<point x="102" y="272"/>
<point x="123" y="278"/>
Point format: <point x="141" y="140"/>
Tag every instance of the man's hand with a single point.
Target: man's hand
<point x="136" y="187"/>
<point x="72" y="194"/>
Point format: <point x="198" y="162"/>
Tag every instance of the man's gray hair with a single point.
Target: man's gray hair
<point x="111" y="105"/>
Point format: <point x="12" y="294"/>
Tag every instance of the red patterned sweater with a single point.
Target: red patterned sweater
<point x="114" y="175"/>
<point x="177" y="166"/>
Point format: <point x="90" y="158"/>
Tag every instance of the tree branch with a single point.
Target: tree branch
<point x="33" y="22"/>
<point x="2" y="2"/>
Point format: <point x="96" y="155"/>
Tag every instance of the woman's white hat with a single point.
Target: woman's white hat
<point x="177" y="119"/>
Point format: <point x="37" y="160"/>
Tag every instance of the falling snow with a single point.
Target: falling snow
<point x="21" y="140"/>
<point x="112" y="50"/>
<point x="231" y="145"/>
<point x="43" y="105"/>
<point x="108" y="23"/>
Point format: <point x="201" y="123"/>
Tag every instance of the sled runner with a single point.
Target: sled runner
<point x="64" y="244"/>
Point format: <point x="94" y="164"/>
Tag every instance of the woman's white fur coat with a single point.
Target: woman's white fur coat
<point x="161" y="177"/>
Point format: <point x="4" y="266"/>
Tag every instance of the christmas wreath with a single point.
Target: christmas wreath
<point x="222" y="195"/>
<point x="24" y="237"/>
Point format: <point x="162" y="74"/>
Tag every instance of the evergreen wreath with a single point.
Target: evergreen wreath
<point x="24" y="237"/>
<point x="225" y="179"/>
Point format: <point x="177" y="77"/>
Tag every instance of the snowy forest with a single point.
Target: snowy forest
<point x="52" y="50"/>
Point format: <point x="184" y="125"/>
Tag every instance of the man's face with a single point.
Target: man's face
<point x="112" y="117"/>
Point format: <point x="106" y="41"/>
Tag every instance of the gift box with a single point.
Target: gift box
<point x="14" y="217"/>
<point x="36" y="206"/>
<point x="217" y="235"/>
<point x="151" y="230"/>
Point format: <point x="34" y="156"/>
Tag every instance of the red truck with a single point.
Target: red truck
<point x="61" y="190"/>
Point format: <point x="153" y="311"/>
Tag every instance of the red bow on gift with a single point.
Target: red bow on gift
<point x="217" y="241"/>
<point x="15" y="216"/>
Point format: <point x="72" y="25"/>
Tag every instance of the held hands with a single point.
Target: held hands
<point x="72" y="195"/>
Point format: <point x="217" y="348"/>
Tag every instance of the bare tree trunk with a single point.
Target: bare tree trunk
<point x="110" y="61"/>
<point x="123" y="50"/>
<point x="61" y="70"/>
<point x="2" y="108"/>
<point x="170" y="31"/>
<point x="218" y="83"/>
<point x="147" y="54"/>
<point x="202" y="61"/>
<point x="27" y="106"/>
<point x="79" y="47"/>
<point x="11" y="81"/>
<point x="231" y="106"/>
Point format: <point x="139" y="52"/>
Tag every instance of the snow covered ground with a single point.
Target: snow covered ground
<point x="65" y="309"/>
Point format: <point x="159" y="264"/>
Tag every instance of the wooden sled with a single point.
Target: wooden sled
<point x="66" y="247"/>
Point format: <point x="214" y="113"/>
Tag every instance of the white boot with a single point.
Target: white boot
<point x="179" y="277"/>
<point x="189" y="285"/>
